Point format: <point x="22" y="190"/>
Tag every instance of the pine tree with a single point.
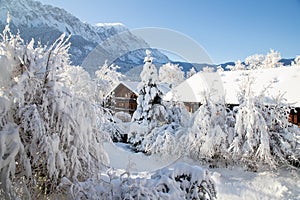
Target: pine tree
<point x="149" y="100"/>
<point x="150" y="112"/>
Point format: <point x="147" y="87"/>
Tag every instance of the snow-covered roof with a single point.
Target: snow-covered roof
<point x="274" y="81"/>
<point x="194" y="88"/>
<point x="130" y="85"/>
<point x="133" y="86"/>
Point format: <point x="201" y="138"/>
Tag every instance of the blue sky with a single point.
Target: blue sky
<point x="228" y="30"/>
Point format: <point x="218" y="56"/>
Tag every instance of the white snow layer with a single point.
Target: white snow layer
<point x="272" y="82"/>
<point x="231" y="183"/>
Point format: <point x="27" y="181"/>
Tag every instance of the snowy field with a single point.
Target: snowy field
<point x="231" y="183"/>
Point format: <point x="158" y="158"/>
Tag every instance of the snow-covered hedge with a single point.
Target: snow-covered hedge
<point x="180" y="181"/>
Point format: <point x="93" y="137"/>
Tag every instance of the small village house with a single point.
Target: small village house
<point x="122" y="98"/>
<point x="271" y="82"/>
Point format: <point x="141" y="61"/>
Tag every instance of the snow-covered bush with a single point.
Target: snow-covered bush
<point x="272" y="59"/>
<point x="208" y="137"/>
<point x="179" y="181"/>
<point x="208" y="69"/>
<point x="296" y="60"/>
<point x="238" y="65"/>
<point x="191" y="72"/>
<point x="258" y="61"/>
<point x="254" y="61"/>
<point x="263" y="138"/>
<point x="124" y="117"/>
<point x="169" y="139"/>
<point x="48" y="130"/>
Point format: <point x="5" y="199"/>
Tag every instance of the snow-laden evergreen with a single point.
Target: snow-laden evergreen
<point x="47" y="129"/>
<point x="150" y="112"/>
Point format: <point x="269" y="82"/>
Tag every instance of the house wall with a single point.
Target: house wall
<point x="123" y="99"/>
<point x="192" y="106"/>
<point x="294" y="116"/>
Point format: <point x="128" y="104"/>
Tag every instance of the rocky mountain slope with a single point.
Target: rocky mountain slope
<point x="46" y="23"/>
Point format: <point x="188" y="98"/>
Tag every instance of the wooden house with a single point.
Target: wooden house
<point x="123" y="97"/>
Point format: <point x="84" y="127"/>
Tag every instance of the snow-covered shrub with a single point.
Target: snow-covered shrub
<point x="178" y="114"/>
<point x="296" y="60"/>
<point x="285" y="137"/>
<point x="136" y="135"/>
<point x="208" y="137"/>
<point x="254" y="61"/>
<point x="124" y="117"/>
<point x="48" y="130"/>
<point x="238" y="65"/>
<point x="258" y="61"/>
<point x="169" y="139"/>
<point x="191" y="72"/>
<point x="179" y="181"/>
<point x="272" y="59"/>
<point x="263" y="138"/>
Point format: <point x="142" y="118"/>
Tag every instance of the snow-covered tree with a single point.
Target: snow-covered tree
<point x="208" y="138"/>
<point x="255" y="61"/>
<point x="272" y="59"/>
<point x="208" y="69"/>
<point x="171" y="74"/>
<point x="220" y="69"/>
<point x="48" y="131"/>
<point x="258" y="61"/>
<point x="296" y="60"/>
<point x="150" y="112"/>
<point x="239" y="65"/>
<point x="107" y="77"/>
<point x="251" y="143"/>
<point x="191" y="72"/>
<point x="149" y="109"/>
<point x="78" y="81"/>
<point x="262" y="137"/>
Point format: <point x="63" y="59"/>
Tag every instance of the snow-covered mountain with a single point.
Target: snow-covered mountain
<point x="46" y="23"/>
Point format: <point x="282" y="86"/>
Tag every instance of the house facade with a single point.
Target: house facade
<point x="123" y="97"/>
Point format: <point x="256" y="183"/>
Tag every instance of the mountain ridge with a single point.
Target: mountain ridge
<point x="46" y="23"/>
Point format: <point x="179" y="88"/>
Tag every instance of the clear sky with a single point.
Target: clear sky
<point x="227" y="29"/>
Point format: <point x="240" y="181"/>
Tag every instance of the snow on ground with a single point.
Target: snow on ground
<point x="121" y="157"/>
<point x="238" y="184"/>
<point x="231" y="183"/>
